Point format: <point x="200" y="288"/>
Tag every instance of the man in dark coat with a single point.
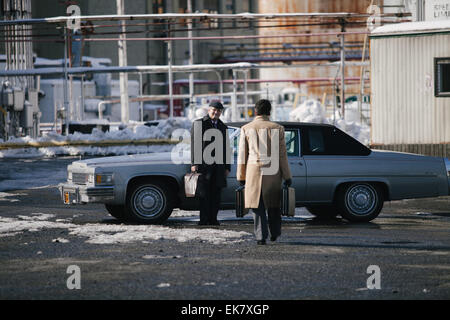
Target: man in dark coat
<point x="211" y="156"/>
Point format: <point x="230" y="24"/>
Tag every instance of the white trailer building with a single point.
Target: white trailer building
<point x="410" y="74"/>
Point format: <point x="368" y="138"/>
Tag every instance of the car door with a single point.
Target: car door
<point x="296" y="164"/>
<point x="332" y="157"/>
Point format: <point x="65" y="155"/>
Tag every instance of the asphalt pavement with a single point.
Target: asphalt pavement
<point x="52" y="251"/>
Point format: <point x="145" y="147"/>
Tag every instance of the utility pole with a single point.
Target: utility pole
<point x="123" y="77"/>
<point x="169" y="58"/>
<point x="65" y="86"/>
<point x="191" y="59"/>
<point x="343" y="70"/>
<point x="234" y="108"/>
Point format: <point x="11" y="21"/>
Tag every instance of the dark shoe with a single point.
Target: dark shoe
<point x="203" y="223"/>
<point x="215" y="223"/>
<point x="273" y="239"/>
<point x="261" y="242"/>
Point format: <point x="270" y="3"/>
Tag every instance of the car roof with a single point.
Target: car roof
<point x="289" y="124"/>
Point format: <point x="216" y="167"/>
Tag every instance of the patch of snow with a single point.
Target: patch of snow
<point x="151" y="256"/>
<point x="4" y="196"/>
<point x="60" y="240"/>
<point x="9" y="226"/>
<point x="184" y="213"/>
<point x="112" y="234"/>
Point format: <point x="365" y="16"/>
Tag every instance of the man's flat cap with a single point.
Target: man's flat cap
<point x="216" y="104"/>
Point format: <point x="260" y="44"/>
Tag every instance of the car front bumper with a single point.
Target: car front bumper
<point x="78" y="194"/>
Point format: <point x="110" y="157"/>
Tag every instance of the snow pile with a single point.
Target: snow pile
<point x="109" y="234"/>
<point x="163" y="130"/>
<point x="33" y="223"/>
<point x="113" y="233"/>
<point x="309" y="111"/>
<point x="312" y="111"/>
<point x="352" y="123"/>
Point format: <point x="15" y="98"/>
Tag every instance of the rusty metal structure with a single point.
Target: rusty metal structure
<point x="325" y="48"/>
<point x="19" y="96"/>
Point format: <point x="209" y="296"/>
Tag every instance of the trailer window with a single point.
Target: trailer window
<point x="442" y="77"/>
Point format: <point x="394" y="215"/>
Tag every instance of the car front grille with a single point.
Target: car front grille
<point x="100" y="192"/>
<point x="79" y="178"/>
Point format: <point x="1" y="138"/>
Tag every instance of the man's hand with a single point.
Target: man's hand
<point x="288" y="182"/>
<point x="242" y="182"/>
<point x="194" y="168"/>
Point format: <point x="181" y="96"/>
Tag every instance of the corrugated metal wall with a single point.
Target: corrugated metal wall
<point x="404" y="108"/>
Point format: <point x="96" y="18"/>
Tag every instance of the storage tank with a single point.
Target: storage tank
<point x="325" y="46"/>
<point x="54" y="98"/>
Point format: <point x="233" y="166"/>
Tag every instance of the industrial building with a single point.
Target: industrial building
<point x="326" y="57"/>
<point x="410" y="80"/>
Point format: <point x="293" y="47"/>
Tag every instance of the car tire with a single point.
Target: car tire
<point x="360" y="202"/>
<point x="323" y="211"/>
<point x="117" y="211"/>
<point x="149" y="202"/>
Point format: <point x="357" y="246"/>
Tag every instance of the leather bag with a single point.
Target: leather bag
<point x="194" y="185"/>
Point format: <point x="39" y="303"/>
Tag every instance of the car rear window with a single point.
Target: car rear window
<point x="291" y="137"/>
<point x="328" y="140"/>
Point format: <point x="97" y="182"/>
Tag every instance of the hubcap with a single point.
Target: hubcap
<point x="361" y="199"/>
<point x="148" y="201"/>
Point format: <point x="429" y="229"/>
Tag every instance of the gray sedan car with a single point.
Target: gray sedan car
<point x="333" y="174"/>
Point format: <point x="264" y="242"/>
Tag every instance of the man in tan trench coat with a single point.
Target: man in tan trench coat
<point x="262" y="164"/>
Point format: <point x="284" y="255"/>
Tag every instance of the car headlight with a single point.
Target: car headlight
<point x="104" y="179"/>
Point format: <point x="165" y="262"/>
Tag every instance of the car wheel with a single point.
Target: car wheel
<point x="117" y="211"/>
<point x="360" y="202"/>
<point x="323" y="211"/>
<point x="149" y="202"/>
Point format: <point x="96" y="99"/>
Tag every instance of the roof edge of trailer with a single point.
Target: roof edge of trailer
<point x="406" y="29"/>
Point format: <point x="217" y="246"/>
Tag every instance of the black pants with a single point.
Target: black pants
<point x="209" y="205"/>
<point x="265" y="224"/>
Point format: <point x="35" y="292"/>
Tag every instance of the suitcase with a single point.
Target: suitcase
<point x="240" y="202"/>
<point x="287" y="201"/>
<point x="194" y="185"/>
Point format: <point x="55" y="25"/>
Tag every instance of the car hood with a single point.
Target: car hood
<point x="157" y="157"/>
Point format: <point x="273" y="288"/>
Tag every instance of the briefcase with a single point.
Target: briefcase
<point x="240" y="202"/>
<point x="288" y="201"/>
<point x="194" y="185"/>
